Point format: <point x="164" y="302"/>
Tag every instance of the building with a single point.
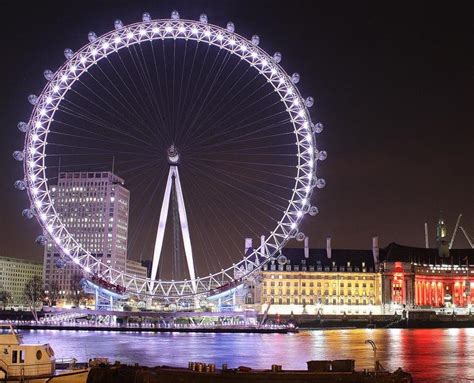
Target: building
<point x="95" y="207"/>
<point x="136" y="269"/>
<point x="325" y="281"/>
<point x="416" y="277"/>
<point x="15" y="273"/>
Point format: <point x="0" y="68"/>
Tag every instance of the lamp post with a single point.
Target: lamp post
<point x="374" y="348"/>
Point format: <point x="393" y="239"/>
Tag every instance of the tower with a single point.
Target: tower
<point x="442" y="237"/>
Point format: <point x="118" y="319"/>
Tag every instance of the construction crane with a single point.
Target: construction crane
<point x="471" y="243"/>
<point x="456" y="227"/>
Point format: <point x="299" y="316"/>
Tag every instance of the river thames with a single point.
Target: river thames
<point x="431" y="355"/>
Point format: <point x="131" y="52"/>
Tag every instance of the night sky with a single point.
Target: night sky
<point x="392" y="84"/>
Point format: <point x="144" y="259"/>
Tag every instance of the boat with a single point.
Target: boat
<point x="34" y="363"/>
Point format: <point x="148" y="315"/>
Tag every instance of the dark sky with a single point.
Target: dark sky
<point x="392" y="83"/>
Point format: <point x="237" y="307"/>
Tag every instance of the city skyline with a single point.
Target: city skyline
<point x="384" y="182"/>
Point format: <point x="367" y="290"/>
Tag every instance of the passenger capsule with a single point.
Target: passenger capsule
<point x="321" y="183"/>
<point x="309" y="102"/>
<point x="18" y="155"/>
<point x="33" y="99"/>
<point x="118" y="24"/>
<point x="175" y="15"/>
<point x="20" y="185"/>
<point x="322" y="155"/>
<point x="22" y="126"/>
<point x="277" y="57"/>
<point x="146" y="18"/>
<point x="203" y="18"/>
<point x="92" y="37"/>
<point x="318" y="128"/>
<point x="41" y="240"/>
<point x="48" y="74"/>
<point x="313" y="211"/>
<point x="27" y="213"/>
<point x="68" y="53"/>
<point x="255" y="39"/>
<point x="295" y="78"/>
<point x="300" y="236"/>
<point x="60" y="263"/>
<point x="230" y="27"/>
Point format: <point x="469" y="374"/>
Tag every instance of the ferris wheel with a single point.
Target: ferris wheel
<point x="195" y="119"/>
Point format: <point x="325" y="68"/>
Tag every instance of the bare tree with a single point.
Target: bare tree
<point x="5" y="298"/>
<point x="77" y="295"/>
<point x="53" y="293"/>
<point x="34" y="294"/>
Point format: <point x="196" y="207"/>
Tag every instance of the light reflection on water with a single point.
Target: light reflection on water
<point x="431" y="355"/>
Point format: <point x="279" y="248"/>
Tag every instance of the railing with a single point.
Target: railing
<point x="28" y="370"/>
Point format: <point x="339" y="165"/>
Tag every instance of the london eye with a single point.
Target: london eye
<point x="200" y="124"/>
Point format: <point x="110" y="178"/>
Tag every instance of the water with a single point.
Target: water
<point x="431" y="355"/>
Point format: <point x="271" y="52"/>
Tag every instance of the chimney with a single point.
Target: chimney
<point x="328" y="247"/>
<point x="375" y="252"/>
<point x="248" y="245"/>
<point x="306" y="247"/>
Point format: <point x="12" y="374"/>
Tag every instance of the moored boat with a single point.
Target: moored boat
<point x="33" y="363"/>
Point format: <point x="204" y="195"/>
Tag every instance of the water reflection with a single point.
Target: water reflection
<point x="432" y="355"/>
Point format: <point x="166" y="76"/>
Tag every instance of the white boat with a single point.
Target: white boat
<point x="32" y="363"/>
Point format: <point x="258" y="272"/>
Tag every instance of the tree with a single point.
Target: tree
<point x="34" y="294"/>
<point x="77" y="295"/>
<point x="53" y="293"/>
<point x="5" y="298"/>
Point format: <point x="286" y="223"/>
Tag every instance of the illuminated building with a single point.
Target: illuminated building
<point x="136" y="269"/>
<point x="14" y="273"/>
<point x="326" y="281"/>
<point x="420" y="277"/>
<point x="95" y="207"/>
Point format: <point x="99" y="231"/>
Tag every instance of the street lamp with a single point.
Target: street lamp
<point x="374" y="348"/>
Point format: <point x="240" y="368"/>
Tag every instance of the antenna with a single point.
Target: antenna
<point x="427" y="244"/>
<point x="455" y="231"/>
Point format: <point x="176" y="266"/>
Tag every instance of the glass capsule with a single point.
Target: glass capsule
<point x="175" y="15"/>
<point x="321" y="183"/>
<point x="27" y="213"/>
<point x="230" y="26"/>
<point x="295" y="78"/>
<point x="60" y="263"/>
<point x="146" y="18"/>
<point x="48" y="74"/>
<point x="92" y="36"/>
<point x="313" y="210"/>
<point x="118" y="24"/>
<point x="255" y="39"/>
<point x="68" y="53"/>
<point x="300" y="236"/>
<point x="32" y="99"/>
<point x="322" y="155"/>
<point x="203" y="18"/>
<point x="18" y="155"/>
<point x="41" y="240"/>
<point x="309" y="102"/>
<point x="20" y="185"/>
<point x="277" y="57"/>
<point x="22" y="126"/>
<point x="318" y="128"/>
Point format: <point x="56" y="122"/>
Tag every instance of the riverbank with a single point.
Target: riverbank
<point x="420" y="320"/>
<point x="139" y="374"/>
